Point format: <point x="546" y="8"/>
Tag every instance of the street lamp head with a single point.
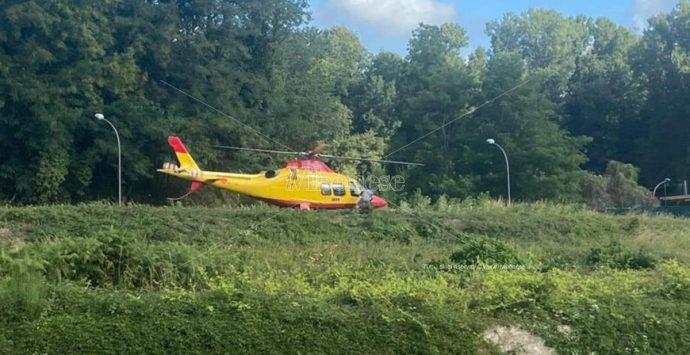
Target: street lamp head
<point x="99" y="116"/>
<point x="491" y="141"/>
<point x="667" y="180"/>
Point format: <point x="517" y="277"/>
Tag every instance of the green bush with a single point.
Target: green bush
<point x="615" y="256"/>
<point x="485" y="251"/>
<point x="617" y="188"/>
<point x="23" y="297"/>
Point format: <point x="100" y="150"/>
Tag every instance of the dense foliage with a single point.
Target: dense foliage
<point x="559" y="93"/>
<point x="99" y="279"/>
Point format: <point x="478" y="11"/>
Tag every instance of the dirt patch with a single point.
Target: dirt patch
<point x="514" y="340"/>
<point x="10" y="238"/>
<point x="5" y="232"/>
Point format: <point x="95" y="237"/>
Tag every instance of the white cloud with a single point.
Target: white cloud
<point x="392" y="17"/>
<point x="644" y="9"/>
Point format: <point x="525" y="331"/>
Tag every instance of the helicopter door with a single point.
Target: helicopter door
<point x="292" y="180"/>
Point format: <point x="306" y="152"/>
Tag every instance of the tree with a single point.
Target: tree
<point x="62" y="61"/>
<point x="661" y="61"/>
<point x="545" y="159"/>
<point x="435" y="88"/>
<point x="604" y="97"/>
<point x="616" y="188"/>
<point x="547" y="41"/>
<point x="57" y="67"/>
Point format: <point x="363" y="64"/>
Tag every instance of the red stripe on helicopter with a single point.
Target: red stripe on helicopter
<point x="176" y="144"/>
<point x="295" y="203"/>
<point x="307" y="164"/>
<point x="377" y="202"/>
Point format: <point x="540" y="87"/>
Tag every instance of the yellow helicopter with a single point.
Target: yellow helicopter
<point x="306" y="182"/>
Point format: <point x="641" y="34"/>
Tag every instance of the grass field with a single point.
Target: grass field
<point x="96" y="278"/>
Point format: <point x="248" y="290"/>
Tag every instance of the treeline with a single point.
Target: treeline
<point x="563" y="95"/>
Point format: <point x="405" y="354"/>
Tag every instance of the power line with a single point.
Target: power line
<point x="224" y="114"/>
<point x="473" y="110"/>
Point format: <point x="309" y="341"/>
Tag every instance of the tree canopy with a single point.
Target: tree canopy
<point x="562" y="95"/>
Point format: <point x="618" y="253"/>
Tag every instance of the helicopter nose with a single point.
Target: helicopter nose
<point x="378" y="202"/>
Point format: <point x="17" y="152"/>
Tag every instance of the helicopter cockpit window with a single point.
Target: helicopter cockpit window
<point x="354" y="190"/>
<point x="339" y="189"/>
<point x="270" y="174"/>
<point x="326" y="189"/>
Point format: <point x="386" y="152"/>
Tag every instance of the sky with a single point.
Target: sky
<point x="386" y="25"/>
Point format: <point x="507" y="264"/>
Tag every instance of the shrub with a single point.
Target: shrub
<point x="418" y="200"/>
<point x="617" y="188"/>
<point x="23" y="297"/>
<point x="615" y="257"/>
<point x="486" y="251"/>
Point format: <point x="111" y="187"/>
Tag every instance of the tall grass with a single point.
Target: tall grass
<point x="98" y="278"/>
<point x="23" y="295"/>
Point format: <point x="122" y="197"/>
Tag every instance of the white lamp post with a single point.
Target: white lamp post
<point x="100" y="117"/>
<point x="493" y="142"/>
<point x="665" y="181"/>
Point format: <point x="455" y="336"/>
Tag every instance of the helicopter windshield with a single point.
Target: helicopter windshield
<point x="355" y="189"/>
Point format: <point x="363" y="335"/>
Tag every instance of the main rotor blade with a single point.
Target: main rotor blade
<point x="307" y="154"/>
<point x="371" y="160"/>
<point x="256" y="150"/>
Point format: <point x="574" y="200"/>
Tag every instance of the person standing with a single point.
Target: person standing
<point x="364" y="202"/>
